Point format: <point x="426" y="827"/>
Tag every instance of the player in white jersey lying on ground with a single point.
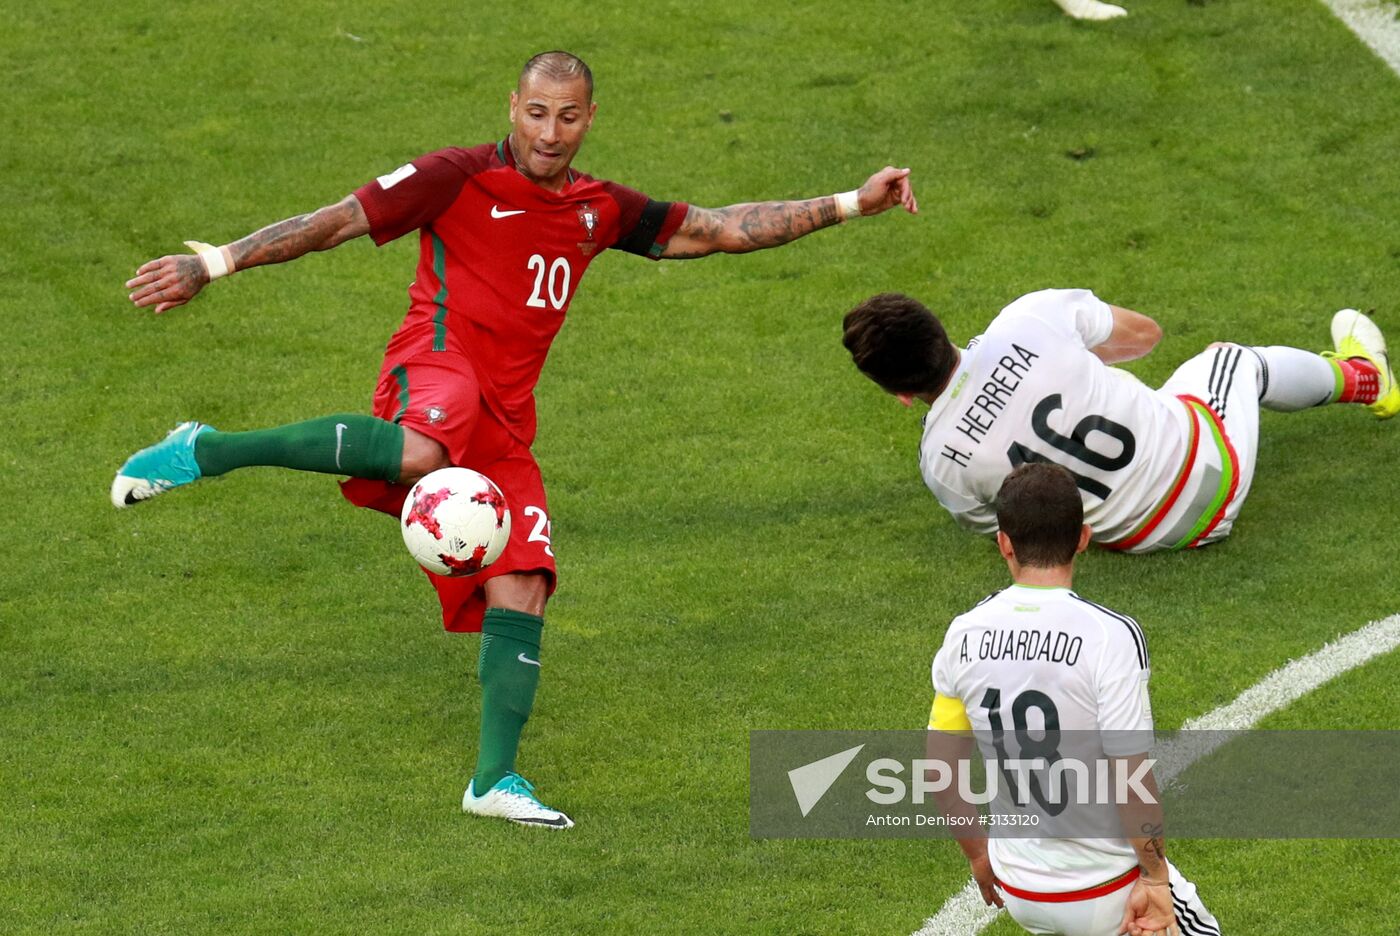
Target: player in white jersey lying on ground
<point x="986" y="682"/>
<point x="1158" y="469"/>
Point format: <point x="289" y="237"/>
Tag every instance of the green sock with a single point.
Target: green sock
<point x="347" y="444"/>
<point x="507" y="689"/>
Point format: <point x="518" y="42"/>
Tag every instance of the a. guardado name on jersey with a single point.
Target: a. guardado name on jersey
<point x="1019" y="644"/>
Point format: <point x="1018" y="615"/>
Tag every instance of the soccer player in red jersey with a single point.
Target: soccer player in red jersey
<point x="506" y="231"/>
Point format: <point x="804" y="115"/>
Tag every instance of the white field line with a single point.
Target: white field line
<point x="964" y="914"/>
<point x="1374" y="21"/>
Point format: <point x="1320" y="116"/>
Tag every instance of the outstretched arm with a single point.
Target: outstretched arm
<point x="756" y="225"/>
<point x="174" y="280"/>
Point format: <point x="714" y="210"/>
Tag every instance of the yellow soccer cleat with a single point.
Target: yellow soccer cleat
<point x="1356" y="336"/>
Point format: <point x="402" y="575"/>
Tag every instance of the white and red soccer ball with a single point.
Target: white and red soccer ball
<point x="455" y="522"/>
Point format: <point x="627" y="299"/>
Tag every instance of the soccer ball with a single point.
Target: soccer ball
<point x="455" y="522"/>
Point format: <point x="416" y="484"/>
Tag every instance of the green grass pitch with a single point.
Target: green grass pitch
<point x="233" y="710"/>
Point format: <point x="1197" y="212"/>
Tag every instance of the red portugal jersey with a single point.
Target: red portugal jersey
<point x="500" y="258"/>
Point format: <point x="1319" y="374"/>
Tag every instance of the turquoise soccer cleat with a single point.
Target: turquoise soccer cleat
<point x="513" y="798"/>
<point x="158" y="468"/>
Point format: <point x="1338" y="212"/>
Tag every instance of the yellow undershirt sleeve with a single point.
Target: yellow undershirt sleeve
<point x="948" y="714"/>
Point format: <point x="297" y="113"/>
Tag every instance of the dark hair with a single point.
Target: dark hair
<point x="558" y="66"/>
<point x="1040" y="510"/>
<point x="899" y="344"/>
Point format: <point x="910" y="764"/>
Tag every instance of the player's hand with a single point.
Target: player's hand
<point x="885" y="189"/>
<point x="168" y="282"/>
<point x="982" y="874"/>
<point x="1149" y="911"/>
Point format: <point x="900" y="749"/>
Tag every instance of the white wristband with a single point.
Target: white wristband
<point x="848" y="204"/>
<point x="216" y="259"/>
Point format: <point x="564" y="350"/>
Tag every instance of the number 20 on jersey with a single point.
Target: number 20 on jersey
<point x="552" y="282"/>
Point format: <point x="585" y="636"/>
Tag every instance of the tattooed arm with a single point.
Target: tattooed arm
<point x="1149" y="907"/>
<point x="174" y="280"/>
<point x="323" y="229"/>
<point x="754" y="226"/>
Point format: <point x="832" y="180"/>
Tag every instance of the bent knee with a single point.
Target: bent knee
<point x="421" y="455"/>
<point x="518" y="591"/>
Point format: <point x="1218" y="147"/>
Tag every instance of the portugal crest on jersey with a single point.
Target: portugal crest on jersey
<point x="588" y="217"/>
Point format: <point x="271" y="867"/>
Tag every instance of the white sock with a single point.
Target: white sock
<point x="1090" y="9"/>
<point x="1291" y="379"/>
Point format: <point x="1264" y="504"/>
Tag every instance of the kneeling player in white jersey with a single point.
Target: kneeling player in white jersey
<point x="987" y="678"/>
<point x="1157" y="469"/>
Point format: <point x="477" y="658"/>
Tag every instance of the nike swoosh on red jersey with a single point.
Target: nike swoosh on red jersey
<point x="496" y="212"/>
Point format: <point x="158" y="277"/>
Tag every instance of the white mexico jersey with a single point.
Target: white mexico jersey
<point x="1030" y="659"/>
<point x="1028" y="389"/>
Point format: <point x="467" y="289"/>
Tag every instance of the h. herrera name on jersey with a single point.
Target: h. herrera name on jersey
<point x="991" y="399"/>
